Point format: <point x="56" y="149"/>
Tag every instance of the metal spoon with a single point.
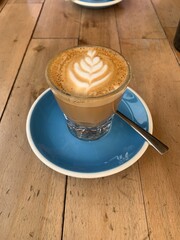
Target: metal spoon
<point x="153" y="141"/>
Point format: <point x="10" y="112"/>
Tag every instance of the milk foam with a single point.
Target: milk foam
<point x="88" y="72"/>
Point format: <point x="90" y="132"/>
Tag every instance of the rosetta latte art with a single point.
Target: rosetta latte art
<point x="89" y="72"/>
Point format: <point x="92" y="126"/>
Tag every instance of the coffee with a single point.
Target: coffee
<point x="88" y="83"/>
<point x="88" y="71"/>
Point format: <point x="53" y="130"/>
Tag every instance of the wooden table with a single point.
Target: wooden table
<point x="141" y="202"/>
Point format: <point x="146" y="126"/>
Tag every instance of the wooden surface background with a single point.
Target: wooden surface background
<point x="143" y="201"/>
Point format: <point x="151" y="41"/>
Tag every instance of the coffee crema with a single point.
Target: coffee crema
<point x="88" y="71"/>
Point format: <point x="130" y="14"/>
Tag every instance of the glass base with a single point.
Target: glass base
<point x="89" y="133"/>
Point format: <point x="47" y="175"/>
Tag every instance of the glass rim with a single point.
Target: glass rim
<point x="63" y="93"/>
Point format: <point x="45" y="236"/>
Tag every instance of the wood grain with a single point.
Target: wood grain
<point x="157" y="79"/>
<point x="168" y="12"/>
<point x="99" y="28"/>
<point x="138" y="19"/>
<point x="25" y="1"/>
<point x="14" y="38"/>
<point x="59" y="19"/>
<point x="31" y="195"/>
<point x="106" y="208"/>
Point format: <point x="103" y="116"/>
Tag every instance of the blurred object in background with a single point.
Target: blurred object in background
<point x="177" y="38"/>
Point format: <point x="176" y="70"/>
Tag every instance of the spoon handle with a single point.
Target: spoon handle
<point x="153" y="141"/>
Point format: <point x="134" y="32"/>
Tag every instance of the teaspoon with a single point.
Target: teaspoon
<point x="153" y="141"/>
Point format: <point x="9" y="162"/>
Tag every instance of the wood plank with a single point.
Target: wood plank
<point x="170" y="32"/>
<point x="31" y="194"/>
<point x="16" y="26"/>
<point x="59" y="19"/>
<point x="25" y="1"/>
<point x="137" y="19"/>
<point x="103" y="216"/>
<point x="157" y="79"/>
<point x="106" y="208"/>
<point x="99" y="28"/>
<point x="168" y="12"/>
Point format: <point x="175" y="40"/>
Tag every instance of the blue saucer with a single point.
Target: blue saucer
<point x="53" y="144"/>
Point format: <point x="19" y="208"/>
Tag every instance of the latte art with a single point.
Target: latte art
<point x="89" y="72"/>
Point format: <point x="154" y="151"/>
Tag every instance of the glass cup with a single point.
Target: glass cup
<point x="89" y="117"/>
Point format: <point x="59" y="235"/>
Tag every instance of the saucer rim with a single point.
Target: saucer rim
<point x="83" y="174"/>
<point x="96" y="5"/>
